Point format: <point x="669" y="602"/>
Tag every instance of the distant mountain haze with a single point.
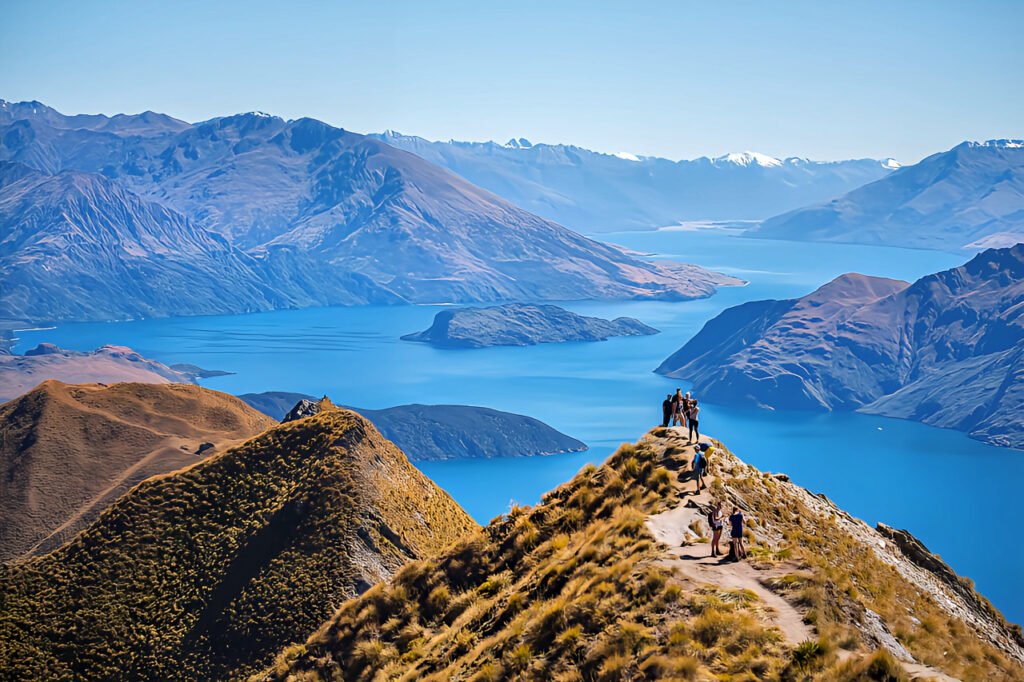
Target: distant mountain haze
<point x="970" y="197"/>
<point x="593" y="192"/>
<point x="273" y="214"/>
<point x="947" y="350"/>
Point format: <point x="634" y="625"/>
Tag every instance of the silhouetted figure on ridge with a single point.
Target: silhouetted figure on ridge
<point x="666" y="410"/>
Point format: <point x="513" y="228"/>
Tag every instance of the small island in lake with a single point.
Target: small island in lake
<point x="517" y="324"/>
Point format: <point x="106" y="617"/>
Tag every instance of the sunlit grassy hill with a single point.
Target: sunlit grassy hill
<point x="207" y="572"/>
<point x="591" y="584"/>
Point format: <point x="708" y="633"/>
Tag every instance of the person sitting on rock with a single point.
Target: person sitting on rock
<point x="736" y="549"/>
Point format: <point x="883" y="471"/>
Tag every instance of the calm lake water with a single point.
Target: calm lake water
<point x="953" y="493"/>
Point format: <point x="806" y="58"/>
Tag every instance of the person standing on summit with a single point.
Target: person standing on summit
<point x="694" y="418"/>
<point x="666" y="410"/>
<point x="677" y="408"/>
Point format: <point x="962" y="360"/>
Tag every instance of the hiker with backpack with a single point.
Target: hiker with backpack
<point x="716" y="523"/>
<point x="706" y="449"/>
<point x="699" y="464"/>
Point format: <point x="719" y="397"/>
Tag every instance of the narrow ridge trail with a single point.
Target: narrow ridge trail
<point x="684" y="533"/>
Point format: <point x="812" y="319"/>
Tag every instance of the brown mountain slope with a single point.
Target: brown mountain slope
<point x="107" y="364"/>
<point x="66" y="452"/>
<point x="205" y="573"/>
<point x="591" y="584"/>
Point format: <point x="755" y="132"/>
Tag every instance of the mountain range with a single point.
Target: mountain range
<point x="970" y="197"/>
<point x="593" y="192"/>
<point x="947" y="350"/>
<point x="252" y="212"/>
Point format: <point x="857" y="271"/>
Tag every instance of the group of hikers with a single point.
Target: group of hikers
<point x="681" y="409"/>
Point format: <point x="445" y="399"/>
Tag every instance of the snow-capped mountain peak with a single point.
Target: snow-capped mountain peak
<point x="519" y="143"/>
<point x="626" y="156"/>
<point x="891" y="164"/>
<point x="1004" y="144"/>
<point x="749" y="159"/>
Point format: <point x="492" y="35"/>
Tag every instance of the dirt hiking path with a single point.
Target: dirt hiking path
<point x="691" y="556"/>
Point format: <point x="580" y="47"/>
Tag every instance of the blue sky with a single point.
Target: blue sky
<point x="678" y="79"/>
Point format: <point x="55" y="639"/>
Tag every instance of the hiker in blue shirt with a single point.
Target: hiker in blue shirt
<point x="699" y="464"/>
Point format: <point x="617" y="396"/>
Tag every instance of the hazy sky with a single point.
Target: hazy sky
<point x="678" y="79"/>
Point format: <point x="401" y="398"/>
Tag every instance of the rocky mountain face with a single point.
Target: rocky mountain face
<point x="970" y="197"/>
<point x="593" y="192"/>
<point x="68" y="451"/>
<point x="78" y="246"/>
<point x="517" y="324"/>
<point x="207" y="572"/>
<point x="438" y="432"/>
<point x="947" y="350"/>
<point x="107" y="364"/>
<point x="279" y="214"/>
<point x="609" y="578"/>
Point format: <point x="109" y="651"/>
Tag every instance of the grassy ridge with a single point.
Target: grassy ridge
<point x="205" y="573"/>
<point x="576" y="589"/>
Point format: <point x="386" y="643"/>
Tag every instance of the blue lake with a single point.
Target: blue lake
<point x="955" y="494"/>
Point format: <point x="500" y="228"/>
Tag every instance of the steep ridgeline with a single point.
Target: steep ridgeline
<point x="436" y="432"/>
<point x="592" y="584"/>
<point x="295" y="213"/>
<point x="971" y="197"/>
<point x="517" y="324"/>
<point x="207" y="572"/>
<point x="593" y="192"/>
<point x="67" y="452"/>
<point x="947" y="350"/>
<point x="107" y="364"/>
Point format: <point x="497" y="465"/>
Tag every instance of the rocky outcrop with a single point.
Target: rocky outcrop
<point x="971" y="196"/>
<point x="438" y="432"/>
<point x="947" y="350"/>
<point x="305" y="408"/>
<point x="516" y="324"/>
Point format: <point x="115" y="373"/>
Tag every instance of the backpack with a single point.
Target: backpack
<point x="711" y="518"/>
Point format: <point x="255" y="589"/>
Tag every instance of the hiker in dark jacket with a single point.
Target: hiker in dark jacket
<point x="666" y="410"/>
